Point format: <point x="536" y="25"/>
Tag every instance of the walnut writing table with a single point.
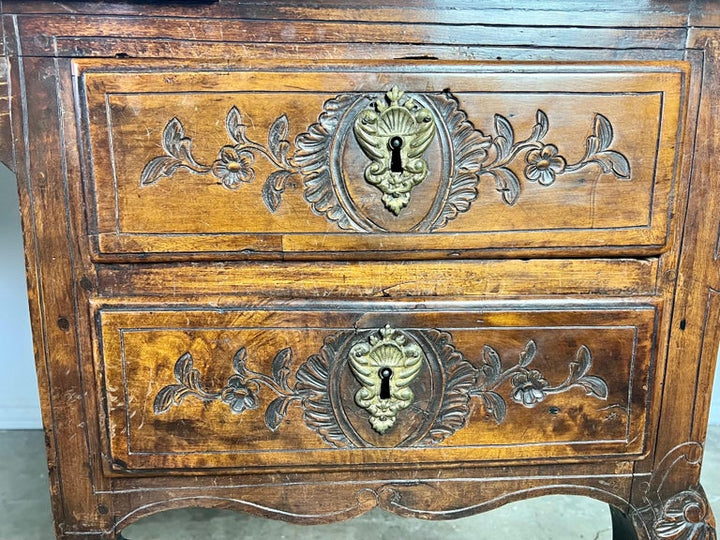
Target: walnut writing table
<point x="305" y="259"/>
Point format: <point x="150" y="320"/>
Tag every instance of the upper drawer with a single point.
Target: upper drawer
<point x="360" y="160"/>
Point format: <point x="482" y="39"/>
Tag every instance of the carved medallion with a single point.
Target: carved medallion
<point x="393" y="130"/>
<point x="394" y="137"/>
<point x="386" y="364"/>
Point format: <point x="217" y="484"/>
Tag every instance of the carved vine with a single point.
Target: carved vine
<point x="312" y="388"/>
<point x="543" y="163"/>
<point x="529" y="386"/>
<point x="476" y="156"/>
<point x="240" y="392"/>
<point x="233" y="166"/>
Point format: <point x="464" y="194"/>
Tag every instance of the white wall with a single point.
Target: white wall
<point x="19" y="405"/>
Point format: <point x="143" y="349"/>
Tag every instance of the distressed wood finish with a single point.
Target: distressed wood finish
<point x="494" y="383"/>
<point x="6" y="147"/>
<point x="307" y="259"/>
<point x="300" y="188"/>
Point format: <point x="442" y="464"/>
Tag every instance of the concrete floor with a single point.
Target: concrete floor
<point x="25" y="511"/>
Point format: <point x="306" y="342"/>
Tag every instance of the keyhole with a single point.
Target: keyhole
<point x="385" y="374"/>
<point x="395" y="159"/>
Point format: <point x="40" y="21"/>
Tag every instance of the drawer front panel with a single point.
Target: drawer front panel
<point x="442" y="158"/>
<point x="252" y="387"/>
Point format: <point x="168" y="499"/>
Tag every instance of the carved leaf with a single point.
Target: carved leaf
<point x="592" y="147"/>
<point x="312" y="385"/>
<point x="459" y="380"/>
<point x="505" y="138"/>
<point x="235" y="126"/>
<point x="178" y="150"/>
<point x="507" y="184"/>
<point x="470" y="146"/>
<point x="602" y="129"/>
<point x="491" y="365"/>
<point x="281" y="367"/>
<point x="193" y="380"/>
<point x="594" y="386"/>
<point x="239" y="362"/>
<point x="167" y="397"/>
<point x="313" y="161"/>
<point x="275" y="413"/>
<point x="273" y="188"/>
<point x="495" y="406"/>
<point x="186" y="374"/>
<point x="157" y="168"/>
<point x="583" y="361"/>
<point x="541" y="126"/>
<point x="173" y="134"/>
<point x="613" y="162"/>
<point x="277" y="134"/>
<point x="183" y="366"/>
<point x="528" y="354"/>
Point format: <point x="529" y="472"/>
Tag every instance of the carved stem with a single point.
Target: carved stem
<point x="267" y="381"/>
<point x="519" y="147"/>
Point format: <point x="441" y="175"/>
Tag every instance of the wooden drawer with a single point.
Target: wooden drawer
<point x="300" y="386"/>
<point x="275" y="160"/>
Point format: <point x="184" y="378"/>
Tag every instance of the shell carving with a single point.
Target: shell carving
<point x="394" y="133"/>
<point x="385" y="366"/>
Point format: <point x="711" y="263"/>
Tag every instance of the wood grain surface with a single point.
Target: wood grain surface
<point x="141" y="348"/>
<point x="193" y="205"/>
<point x="218" y="279"/>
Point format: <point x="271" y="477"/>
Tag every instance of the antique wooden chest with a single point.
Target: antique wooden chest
<point x="303" y="259"/>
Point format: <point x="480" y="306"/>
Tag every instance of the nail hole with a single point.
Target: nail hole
<point x="553" y="410"/>
<point x="683" y="324"/>
<point x="63" y="324"/>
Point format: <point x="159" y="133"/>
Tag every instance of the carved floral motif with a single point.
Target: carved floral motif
<point x="529" y="387"/>
<point x="234" y="165"/>
<point x="676" y="516"/>
<point x="394" y="137"/>
<point x="366" y="354"/>
<point x="683" y="517"/>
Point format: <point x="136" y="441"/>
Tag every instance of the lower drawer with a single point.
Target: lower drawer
<point x="381" y="384"/>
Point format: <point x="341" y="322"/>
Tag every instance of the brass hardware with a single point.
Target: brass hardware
<point x="394" y="137"/>
<point x="385" y="367"/>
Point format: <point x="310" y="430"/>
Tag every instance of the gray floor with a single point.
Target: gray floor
<point x="25" y="511"/>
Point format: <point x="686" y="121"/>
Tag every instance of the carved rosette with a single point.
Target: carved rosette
<point x="396" y="132"/>
<point x="683" y="515"/>
<point x="362" y="388"/>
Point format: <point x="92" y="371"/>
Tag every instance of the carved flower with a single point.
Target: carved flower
<point x="234" y="166"/>
<point x="683" y="518"/>
<point x="528" y="388"/>
<point x="238" y="396"/>
<point x="544" y="164"/>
